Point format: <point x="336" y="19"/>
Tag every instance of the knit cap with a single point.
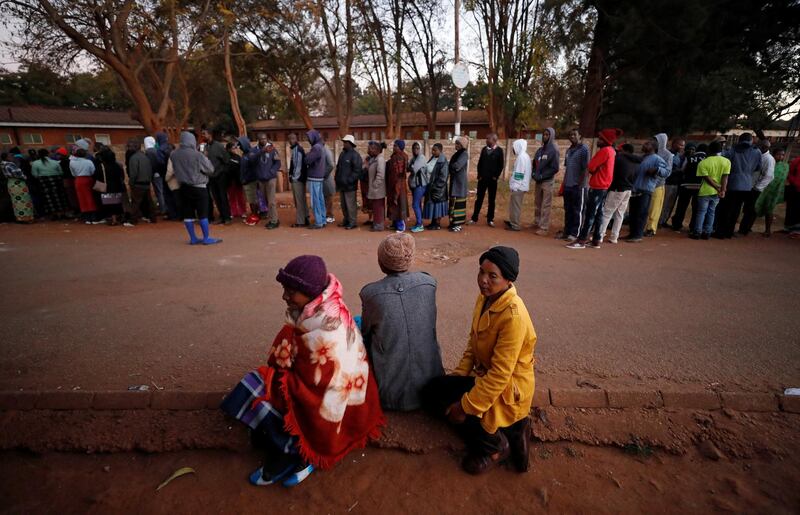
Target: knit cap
<point x="506" y="259"/>
<point x="306" y="274"/>
<point x="396" y="252"/>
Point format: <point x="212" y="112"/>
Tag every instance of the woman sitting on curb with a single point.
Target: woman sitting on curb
<point x="316" y="399"/>
<point x="488" y="396"/>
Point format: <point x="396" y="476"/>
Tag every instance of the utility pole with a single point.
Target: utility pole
<point x="458" y="59"/>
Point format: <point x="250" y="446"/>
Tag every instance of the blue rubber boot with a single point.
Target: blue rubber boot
<point x="298" y="475"/>
<point x="207" y="240"/>
<point x="189" y="224"/>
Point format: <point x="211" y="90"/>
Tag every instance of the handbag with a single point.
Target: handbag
<point x="100" y="186"/>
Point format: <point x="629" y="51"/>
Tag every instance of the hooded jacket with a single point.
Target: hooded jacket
<point x="664" y="154"/>
<point x="248" y="162"/>
<point x="521" y="176"/>
<point x="297" y="165"/>
<point x="219" y="158"/>
<point x="159" y="168"/>
<point x="625" y="168"/>
<point x="349" y="169"/>
<point x="140" y="172"/>
<point x="689" y="179"/>
<point x="269" y="163"/>
<point x="745" y="165"/>
<point x="601" y="168"/>
<point x="546" y="159"/>
<point x="648" y="183"/>
<point x="315" y="159"/>
<point x="418" y="176"/>
<point x="191" y="167"/>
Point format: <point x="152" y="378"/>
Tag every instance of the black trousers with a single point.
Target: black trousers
<point x="728" y="211"/>
<point x="574" y="209"/>
<point x="218" y="187"/>
<point x="749" y="209"/>
<point x="441" y="392"/>
<point x="639" y="207"/>
<point x="485" y="185"/>
<point x="685" y="196"/>
<point x="792" y="196"/>
<point x="194" y="202"/>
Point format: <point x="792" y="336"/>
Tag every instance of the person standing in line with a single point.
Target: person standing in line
<point x="363" y="184"/>
<point x="713" y="171"/>
<point x="673" y="182"/>
<point x="329" y="185"/>
<point x="574" y="187"/>
<point x="657" y="200"/>
<point x="626" y="165"/>
<point x="545" y="169"/>
<point x="519" y="184"/>
<point x="316" y="159"/>
<point x="269" y="164"/>
<point x="791" y="223"/>
<point x="601" y="173"/>
<point x="745" y="165"/>
<point x="236" y="198"/>
<point x="690" y="185"/>
<point x="21" y="201"/>
<point x="218" y="181"/>
<point x="761" y="180"/>
<point x="418" y="178"/>
<point x="490" y="166"/>
<point x="458" y="184"/>
<point x="82" y="168"/>
<point x="171" y="198"/>
<point x="773" y="194"/>
<point x="248" y="176"/>
<point x="159" y="172"/>
<point x="297" y="178"/>
<point x="397" y="186"/>
<point x="62" y="154"/>
<point x="48" y="173"/>
<point x="192" y="169"/>
<point x="436" y="205"/>
<point x="650" y="170"/>
<point x="348" y="172"/>
<point x="140" y="177"/>
<point x="376" y="171"/>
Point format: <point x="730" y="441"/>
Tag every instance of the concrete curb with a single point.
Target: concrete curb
<point x="559" y="397"/>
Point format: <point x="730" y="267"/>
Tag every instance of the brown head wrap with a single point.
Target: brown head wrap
<point x="396" y="252"/>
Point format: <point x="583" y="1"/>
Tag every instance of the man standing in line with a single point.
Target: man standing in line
<point x="673" y="181"/>
<point x="329" y="185"/>
<point x="218" y="182"/>
<point x="192" y="168"/>
<point x="761" y="180"/>
<point x="713" y="172"/>
<point x="140" y="176"/>
<point x="248" y="164"/>
<point x="545" y="163"/>
<point x="690" y="185"/>
<point x="575" y="186"/>
<point x="650" y="170"/>
<point x="490" y="167"/>
<point x="745" y="164"/>
<point x="626" y="165"/>
<point x="267" y="172"/>
<point x="657" y="200"/>
<point x="297" y="178"/>
<point x="316" y="161"/>
<point x="348" y="172"/>
<point x="601" y="172"/>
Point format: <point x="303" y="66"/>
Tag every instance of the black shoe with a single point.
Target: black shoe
<point x="367" y="223"/>
<point x="694" y="236"/>
<point x="520" y="447"/>
<point x="299" y="225"/>
<point x="649" y="234"/>
<point x="477" y="464"/>
<point x="350" y="227"/>
<point x="341" y="225"/>
<point x="705" y="236"/>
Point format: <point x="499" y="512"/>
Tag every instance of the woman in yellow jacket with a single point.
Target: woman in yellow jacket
<point x="488" y="396"/>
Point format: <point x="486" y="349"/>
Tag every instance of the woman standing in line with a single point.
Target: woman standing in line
<point x="418" y="181"/>
<point x="396" y="188"/>
<point x="48" y="172"/>
<point x="82" y="168"/>
<point x="21" y="200"/>
<point x="458" y="185"/>
<point x="376" y="192"/>
<point x="436" y="195"/>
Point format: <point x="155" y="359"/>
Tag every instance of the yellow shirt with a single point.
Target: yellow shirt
<point x="500" y="356"/>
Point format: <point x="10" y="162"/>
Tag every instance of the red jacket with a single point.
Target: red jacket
<point x="601" y="168"/>
<point x="794" y="173"/>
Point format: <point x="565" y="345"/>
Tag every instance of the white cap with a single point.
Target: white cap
<point x="350" y="139"/>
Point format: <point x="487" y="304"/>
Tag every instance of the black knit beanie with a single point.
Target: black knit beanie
<point x="506" y="259"/>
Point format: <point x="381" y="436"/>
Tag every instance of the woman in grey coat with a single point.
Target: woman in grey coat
<point x="458" y="184"/>
<point x="399" y="326"/>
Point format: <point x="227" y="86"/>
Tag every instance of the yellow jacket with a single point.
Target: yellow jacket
<point x="500" y="356"/>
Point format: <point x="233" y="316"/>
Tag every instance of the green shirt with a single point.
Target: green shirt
<point x="713" y="167"/>
<point x="46" y="168"/>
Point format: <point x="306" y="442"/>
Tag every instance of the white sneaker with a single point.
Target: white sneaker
<point x="330" y="220"/>
<point x="128" y="224"/>
<point x="571" y="239"/>
<point x="614" y="241"/>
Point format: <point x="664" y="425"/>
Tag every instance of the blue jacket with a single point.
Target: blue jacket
<point x="315" y="159"/>
<point x="268" y="164"/>
<point x="645" y="182"/>
<point x="545" y="161"/>
<point x="248" y="165"/>
<point x="745" y="162"/>
<point x="297" y="168"/>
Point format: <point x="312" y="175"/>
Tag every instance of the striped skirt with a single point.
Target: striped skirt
<point x="458" y="210"/>
<point x="55" y="198"/>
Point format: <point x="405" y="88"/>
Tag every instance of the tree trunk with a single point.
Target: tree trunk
<point x="596" y="71"/>
<point x="234" y="95"/>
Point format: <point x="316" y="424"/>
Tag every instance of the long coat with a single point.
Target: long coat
<point x="500" y="355"/>
<point x="397" y="187"/>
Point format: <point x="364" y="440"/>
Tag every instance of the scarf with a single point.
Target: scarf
<point x="325" y="390"/>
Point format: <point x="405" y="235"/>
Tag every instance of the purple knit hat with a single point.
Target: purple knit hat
<point x="306" y="274"/>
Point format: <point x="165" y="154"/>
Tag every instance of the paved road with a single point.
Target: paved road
<point x="102" y="307"/>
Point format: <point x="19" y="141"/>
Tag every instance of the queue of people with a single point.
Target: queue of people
<point x="329" y="375"/>
<point x="652" y="189"/>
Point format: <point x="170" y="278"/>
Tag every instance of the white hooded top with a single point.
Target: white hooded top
<point x="149" y="142"/>
<point x="521" y="176"/>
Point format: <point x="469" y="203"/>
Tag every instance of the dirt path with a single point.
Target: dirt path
<point x="565" y="479"/>
<point x="102" y="307"/>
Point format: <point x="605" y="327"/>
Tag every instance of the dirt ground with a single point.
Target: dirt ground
<point x="565" y="478"/>
<point x="96" y="307"/>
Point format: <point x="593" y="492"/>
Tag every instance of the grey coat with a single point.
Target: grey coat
<point x="458" y="175"/>
<point x="399" y="329"/>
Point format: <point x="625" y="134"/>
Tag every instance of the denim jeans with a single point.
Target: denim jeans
<point x="416" y="202"/>
<point x="594" y="211"/>
<point x="704" y="221"/>
<point x="317" y="202"/>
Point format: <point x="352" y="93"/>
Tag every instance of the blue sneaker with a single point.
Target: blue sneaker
<point x="301" y="472"/>
<point x="260" y="477"/>
<point x="417" y="228"/>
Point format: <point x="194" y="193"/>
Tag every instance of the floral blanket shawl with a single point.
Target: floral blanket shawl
<point x="319" y="365"/>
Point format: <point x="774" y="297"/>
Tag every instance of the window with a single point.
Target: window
<point x="72" y="138"/>
<point x="373" y="135"/>
<point x="383" y="135"/>
<point x="408" y="135"/>
<point x="5" y="138"/>
<point x="449" y="136"/>
<point x="437" y="135"/>
<point x="473" y="134"/>
<point x="105" y="139"/>
<point x="31" y="139"/>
